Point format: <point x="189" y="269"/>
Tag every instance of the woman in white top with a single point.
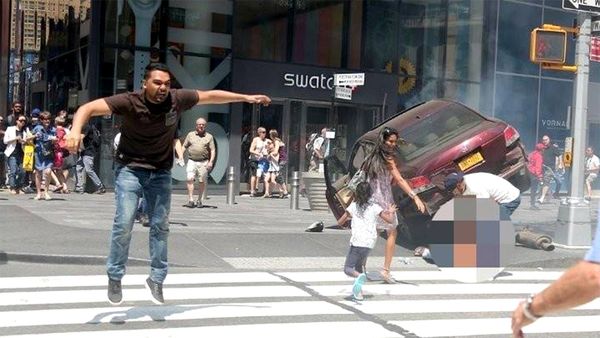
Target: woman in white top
<point x="14" y="137"/>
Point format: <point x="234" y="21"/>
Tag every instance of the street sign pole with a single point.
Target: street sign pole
<point x="574" y="221"/>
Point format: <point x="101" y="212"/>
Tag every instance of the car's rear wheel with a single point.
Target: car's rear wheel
<point x="521" y="181"/>
<point x="415" y="230"/>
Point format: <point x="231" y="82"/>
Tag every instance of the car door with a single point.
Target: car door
<point x="336" y="178"/>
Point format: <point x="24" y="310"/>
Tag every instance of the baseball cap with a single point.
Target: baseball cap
<point x="35" y="112"/>
<point x="452" y="181"/>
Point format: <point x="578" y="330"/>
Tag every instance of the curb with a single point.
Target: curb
<point x="6" y="257"/>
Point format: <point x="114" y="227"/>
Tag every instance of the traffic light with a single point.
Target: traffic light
<point x="548" y="45"/>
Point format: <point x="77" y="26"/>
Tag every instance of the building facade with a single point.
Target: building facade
<point x="472" y="51"/>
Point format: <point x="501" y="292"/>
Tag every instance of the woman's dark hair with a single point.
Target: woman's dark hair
<point x="377" y="162"/>
<point x="362" y="195"/>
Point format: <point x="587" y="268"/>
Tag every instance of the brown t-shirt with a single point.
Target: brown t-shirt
<point x="199" y="147"/>
<point x="148" y="129"/>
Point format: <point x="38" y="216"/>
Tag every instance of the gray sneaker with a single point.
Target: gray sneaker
<point x="191" y="204"/>
<point x="115" y="296"/>
<point x="199" y="204"/>
<point x="156" y="291"/>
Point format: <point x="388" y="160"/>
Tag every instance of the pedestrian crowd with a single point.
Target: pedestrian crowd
<point x="34" y="154"/>
<point x="267" y="164"/>
<point x="547" y="168"/>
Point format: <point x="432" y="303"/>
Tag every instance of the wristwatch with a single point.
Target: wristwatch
<point x="527" y="309"/>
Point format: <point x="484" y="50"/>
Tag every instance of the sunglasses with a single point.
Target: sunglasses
<point x="21" y="120"/>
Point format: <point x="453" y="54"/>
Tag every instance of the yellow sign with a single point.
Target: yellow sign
<point x="470" y="161"/>
<point x="28" y="157"/>
<point x="568" y="154"/>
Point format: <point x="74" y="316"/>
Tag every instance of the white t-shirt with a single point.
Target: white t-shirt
<point x="116" y="141"/>
<point x="592" y="162"/>
<point x="318" y="143"/>
<point x="486" y="185"/>
<point x="364" y="231"/>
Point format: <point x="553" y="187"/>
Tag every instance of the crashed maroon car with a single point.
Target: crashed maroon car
<point x="437" y="137"/>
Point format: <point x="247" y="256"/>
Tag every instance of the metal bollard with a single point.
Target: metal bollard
<point x="231" y="186"/>
<point x="295" y="198"/>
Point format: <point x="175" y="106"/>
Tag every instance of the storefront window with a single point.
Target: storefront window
<point x="517" y="105"/>
<point x="318" y="27"/>
<point x="381" y="34"/>
<point x="47" y="53"/>
<point x="440" y="51"/>
<point x="516" y="22"/>
<point x="261" y="29"/>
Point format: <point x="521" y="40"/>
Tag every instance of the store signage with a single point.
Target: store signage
<point x="320" y="81"/>
<point x="343" y="93"/>
<point x="302" y="82"/>
<point x="582" y="5"/>
<point x="351" y="79"/>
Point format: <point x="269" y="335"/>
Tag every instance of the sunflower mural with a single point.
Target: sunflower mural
<point x="407" y="76"/>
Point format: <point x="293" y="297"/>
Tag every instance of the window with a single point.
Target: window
<point x="261" y="29"/>
<point x="318" y="29"/>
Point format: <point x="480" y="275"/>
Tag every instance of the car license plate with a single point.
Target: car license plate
<point x="470" y="161"/>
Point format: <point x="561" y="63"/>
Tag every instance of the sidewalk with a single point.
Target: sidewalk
<point x="75" y="229"/>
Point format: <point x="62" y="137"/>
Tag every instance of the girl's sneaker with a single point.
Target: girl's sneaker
<point x="358" y="297"/>
<point x="357" y="287"/>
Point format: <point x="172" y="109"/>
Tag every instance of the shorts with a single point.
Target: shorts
<point x="197" y="168"/>
<point x="591" y="177"/>
<point x="262" y="168"/>
<point x="548" y="176"/>
<point x="252" y="166"/>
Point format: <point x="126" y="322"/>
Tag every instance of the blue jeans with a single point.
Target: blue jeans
<point x="16" y="174"/>
<point x="508" y="208"/>
<point x="85" y="164"/>
<point x="130" y="185"/>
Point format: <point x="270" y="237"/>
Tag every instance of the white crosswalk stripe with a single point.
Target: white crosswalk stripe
<point x="280" y="304"/>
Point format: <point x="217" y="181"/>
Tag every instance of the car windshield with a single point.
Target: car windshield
<point x="435" y="130"/>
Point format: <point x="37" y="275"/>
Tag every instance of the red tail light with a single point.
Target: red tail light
<point x="511" y="135"/>
<point x="417" y="182"/>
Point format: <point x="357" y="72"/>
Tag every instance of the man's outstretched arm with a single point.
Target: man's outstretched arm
<point x="222" y="96"/>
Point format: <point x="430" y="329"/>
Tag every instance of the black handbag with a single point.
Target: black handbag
<point x="47" y="149"/>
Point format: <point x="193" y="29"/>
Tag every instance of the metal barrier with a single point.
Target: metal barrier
<point x="295" y="196"/>
<point x="231" y="186"/>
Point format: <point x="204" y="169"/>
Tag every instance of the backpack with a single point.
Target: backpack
<point x="96" y="136"/>
<point x="283" y="155"/>
<point x="310" y="145"/>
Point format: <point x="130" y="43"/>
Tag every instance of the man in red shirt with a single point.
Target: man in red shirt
<point x="536" y="172"/>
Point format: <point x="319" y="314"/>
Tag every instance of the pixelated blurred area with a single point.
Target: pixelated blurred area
<point x="467" y="232"/>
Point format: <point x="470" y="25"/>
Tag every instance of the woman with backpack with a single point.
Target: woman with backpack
<point x="382" y="172"/>
<point x="60" y="154"/>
